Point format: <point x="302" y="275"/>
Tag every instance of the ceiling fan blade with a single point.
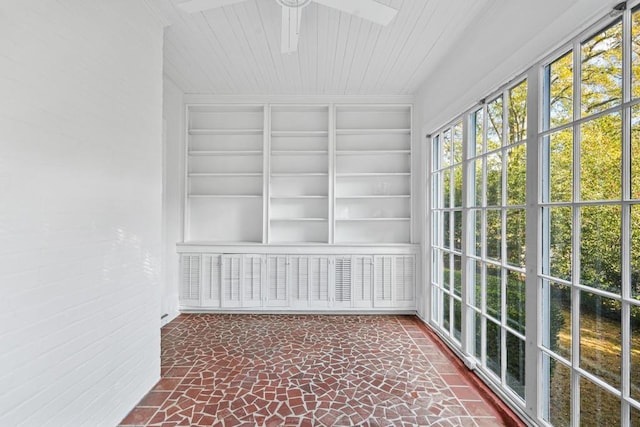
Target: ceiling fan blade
<point x="192" y="6"/>
<point x="291" y="17"/>
<point x="370" y="10"/>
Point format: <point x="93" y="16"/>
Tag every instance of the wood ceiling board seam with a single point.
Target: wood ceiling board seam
<point x="341" y="53"/>
<point x="390" y="65"/>
<point x="275" y="55"/>
<point x="258" y="45"/>
<point x="350" y="49"/>
<point x="422" y="71"/>
<point x="248" y="56"/>
<point x="207" y="46"/>
<point x="394" y="32"/>
<point x="224" y="31"/>
<point x="422" y="39"/>
<point x="195" y="68"/>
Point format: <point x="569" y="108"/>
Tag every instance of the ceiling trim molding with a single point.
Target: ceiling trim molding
<point x="190" y="98"/>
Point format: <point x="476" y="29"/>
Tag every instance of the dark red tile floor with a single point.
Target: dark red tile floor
<point x="277" y="370"/>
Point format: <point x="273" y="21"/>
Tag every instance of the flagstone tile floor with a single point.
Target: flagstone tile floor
<point x="309" y="370"/>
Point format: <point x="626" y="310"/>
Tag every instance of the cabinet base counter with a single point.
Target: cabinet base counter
<point x="298" y="279"/>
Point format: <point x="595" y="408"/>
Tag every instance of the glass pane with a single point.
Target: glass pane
<point x="476" y="215"/>
<point x="515" y="364"/>
<point x="494" y="347"/>
<point x="494" y="179"/>
<point x="446" y="271"/>
<point x="478" y="125"/>
<point x="600" y="337"/>
<point x="635" y="251"/>
<point x="436" y="296"/>
<point x="601" y="158"/>
<point x="457" y="275"/>
<point x="635" y="417"/>
<point x="478" y="284"/>
<point x="516" y="299"/>
<point x="446" y="231"/>
<point x="600" y="249"/>
<point x="494" y="234"/>
<point x="559" y="179"/>
<point x="635" y="55"/>
<point x="517" y="175"/>
<point x="559" y="383"/>
<point x="494" y="125"/>
<point x="457" y="319"/>
<point x="556" y="321"/>
<point x="635" y="150"/>
<point x="635" y="352"/>
<point x="457" y="143"/>
<point x="515" y="229"/>
<point x="518" y="113"/>
<point x="436" y="153"/>
<point x="436" y="190"/>
<point x="478" y="346"/>
<point x="602" y="70"/>
<point x="457" y="230"/>
<point x="559" y="236"/>
<point x="597" y="406"/>
<point x="457" y="186"/>
<point x="435" y="267"/>
<point x="494" y="291"/>
<point x="446" y="312"/>
<point x="446" y="148"/>
<point x="560" y="91"/>
<point x="477" y="183"/>
<point x="446" y="188"/>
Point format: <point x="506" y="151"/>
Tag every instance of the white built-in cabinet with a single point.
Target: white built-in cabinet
<point x="292" y="206"/>
<point x="298" y="282"/>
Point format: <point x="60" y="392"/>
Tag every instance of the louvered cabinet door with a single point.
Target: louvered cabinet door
<point x="362" y="272"/>
<point x="231" y="269"/>
<point x="252" y="280"/>
<point x="319" y="282"/>
<point x="277" y="283"/>
<point x="382" y="278"/>
<point x="342" y="283"/>
<point x="190" y="280"/>
<point x="211" y="274"/>
<point x="299" y="273"/>
<point x="404" y="286"/>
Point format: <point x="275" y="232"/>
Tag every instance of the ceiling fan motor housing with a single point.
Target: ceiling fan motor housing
<point x="294" y="3"/>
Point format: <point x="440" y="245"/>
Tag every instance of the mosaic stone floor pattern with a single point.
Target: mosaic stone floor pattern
<point x="277" y="370"/>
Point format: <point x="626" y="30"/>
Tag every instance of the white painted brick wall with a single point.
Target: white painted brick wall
<point x="80" y="209"/>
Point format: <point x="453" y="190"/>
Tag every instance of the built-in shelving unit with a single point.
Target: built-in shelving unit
<point x="373" y="174"/>
<point x="298" y="207"/>
<point x="299" y="174"/>
<point x="224" y="182"/>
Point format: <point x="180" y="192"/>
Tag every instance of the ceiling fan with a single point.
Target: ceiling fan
<point x="292" y="9"/>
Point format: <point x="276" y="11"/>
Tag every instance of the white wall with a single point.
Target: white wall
<point x="80" y="210"/>
<point x="505" y="40"/>
<point x="173" y="193"/>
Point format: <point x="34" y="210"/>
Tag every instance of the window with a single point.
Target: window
<point x="447" y="225"/>
<point x="579" y="191"/>
<point x="588" y="211"/>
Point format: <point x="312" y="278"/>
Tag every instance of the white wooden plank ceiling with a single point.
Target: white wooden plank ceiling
<point x="235" y="50"/>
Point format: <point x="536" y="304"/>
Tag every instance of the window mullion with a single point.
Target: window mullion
<point x="532" y="241"/>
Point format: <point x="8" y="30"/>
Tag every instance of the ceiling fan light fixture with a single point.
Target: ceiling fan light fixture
<point x="293" y="3"/>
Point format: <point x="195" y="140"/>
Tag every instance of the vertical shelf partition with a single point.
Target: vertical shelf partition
<point x="224" y="173"/>
<point x="299" y="178"/>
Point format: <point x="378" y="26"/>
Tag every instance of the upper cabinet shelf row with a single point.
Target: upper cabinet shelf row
<point x="298" y="174"/>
